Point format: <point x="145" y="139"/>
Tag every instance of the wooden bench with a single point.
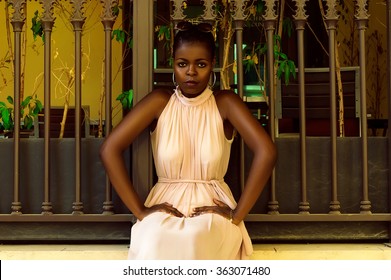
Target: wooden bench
<point x="317" y="101"/>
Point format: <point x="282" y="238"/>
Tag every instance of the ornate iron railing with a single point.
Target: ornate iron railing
<point x="96" y="214"/>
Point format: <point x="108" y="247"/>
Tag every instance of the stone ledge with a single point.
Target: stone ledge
<point x="261" y="252"/>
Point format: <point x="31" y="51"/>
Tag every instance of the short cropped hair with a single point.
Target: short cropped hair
<point x="195" y="34"/>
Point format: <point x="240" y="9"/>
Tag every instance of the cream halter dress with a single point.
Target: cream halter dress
<point x="191" y="155"/>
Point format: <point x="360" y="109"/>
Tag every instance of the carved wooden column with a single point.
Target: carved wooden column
<point x="177" y="11"/>
<point x="270" y="18"/>
<point x="17" y="21"/>
<point x="142" y="85"/>
<point x="389" y="104"/>
<point x="362" y="22"/>
<point x="239" y="17"/>
<point x="47" y="22"/>
<point x="209" y="14"/>
<point x="108" y="20"/>
<point x="77" y="20"/>
<point x="300" y="19"/>
<point x="331" y="19"/>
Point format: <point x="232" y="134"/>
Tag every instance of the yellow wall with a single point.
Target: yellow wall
<point x="378" y="21"/>
<point x="93" y="48"/>
<point x="376" y="53"/>
<point x="63" y="59"/>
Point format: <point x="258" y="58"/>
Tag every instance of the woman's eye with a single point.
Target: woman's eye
<point x="201" y="65"/>
<point x="181" y="64"/>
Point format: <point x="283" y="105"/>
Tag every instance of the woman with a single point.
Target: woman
<point x="190" y="213"/>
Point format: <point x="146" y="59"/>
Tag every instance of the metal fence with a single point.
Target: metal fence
<point x="323" y="188"/>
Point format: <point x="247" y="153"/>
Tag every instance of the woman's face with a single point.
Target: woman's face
<point x="192" y="67"/>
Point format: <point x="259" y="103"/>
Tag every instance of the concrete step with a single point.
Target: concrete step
<point x="261" y="252"/>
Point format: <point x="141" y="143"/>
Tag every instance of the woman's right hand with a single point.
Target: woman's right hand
<point x="163" y="207"/>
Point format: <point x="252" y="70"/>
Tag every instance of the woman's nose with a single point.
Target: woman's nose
<point x="191" y="70"/>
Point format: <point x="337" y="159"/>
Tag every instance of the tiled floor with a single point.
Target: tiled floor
<point x="261" y="251"/>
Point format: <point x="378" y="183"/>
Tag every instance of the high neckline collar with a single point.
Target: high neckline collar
<point x="193" y="101"/>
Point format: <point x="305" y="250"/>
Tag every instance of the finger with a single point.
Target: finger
<point x="205" y="210"/>
<point x="168" y="204"/>
<point x="166" y="207"/>
<point x="219" y="202"/>
<point x="173" y="211"/>
<point x="202" y="209"/>
<point x="176" y="213"/>
<point x="198" y="209"/>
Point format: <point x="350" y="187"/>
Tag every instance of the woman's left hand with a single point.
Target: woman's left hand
<point x="221" y="209"/>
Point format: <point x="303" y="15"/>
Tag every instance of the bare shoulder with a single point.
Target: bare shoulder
<point x="155" y="101"/>
<point x="226" y="96"/>
<point x="227" y="100"/>
<point x="160" y="95"/>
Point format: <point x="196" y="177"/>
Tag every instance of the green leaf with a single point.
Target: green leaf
<point x="283" y="56"/>
<point x="116" y="9"/>
<point x="277" y="40"/>
<point x="25" y="102"/>
<point x="120" y="97"/>
<point x="10" y="100"/>
<point x="36" y="26"/>
<point x="247" y="65"/>
<point x="279" y="72"/>
<point x="292" y="68"/>
<point x="130" y="98"/>
<point x="126" y="99"/>
<point x="119" y="35"/>
<point x="28" y="122"/>
<point x="287" y="73"/>
<point x="38" y="107"/>
<point x="7" y="121"/>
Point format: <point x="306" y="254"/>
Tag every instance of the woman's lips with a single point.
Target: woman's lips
<point x="191" y="83"/>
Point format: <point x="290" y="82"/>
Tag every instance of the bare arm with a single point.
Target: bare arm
<point x="138" y="119"/>
<point x="235" y="111"/>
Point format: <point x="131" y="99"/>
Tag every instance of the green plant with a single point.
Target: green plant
<point x="285" y="67"/>
<point x="6" y="122"/>
<point x="164" y="34"/>
<point x="283" y="63"/>
<point x="36" y="27"/>
<point x="29" y="109"/>
<point x="120" y="34"/>
<point x="126" y="99"/>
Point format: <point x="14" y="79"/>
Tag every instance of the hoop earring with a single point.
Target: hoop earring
<point x="214" y="80"/>
<point x="173" y="80"/>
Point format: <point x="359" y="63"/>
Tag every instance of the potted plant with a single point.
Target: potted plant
<point x="29" y="109"/>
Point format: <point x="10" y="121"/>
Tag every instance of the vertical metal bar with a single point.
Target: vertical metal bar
<point x="270" y="19"/>
<point x="142" y="79"/>
<point x="18" y="20"/>
<point x="331" y="21"/>
<point x="239" y="48"/>
<point x="300" y="21"/>
<point x="389" y="106"/>
<point x="77" y="21"/>
<point x="108" y="19"/>
<point x="239" y="22"/>
<point x="47" y="22"/>
<point x="362" y="21"/>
